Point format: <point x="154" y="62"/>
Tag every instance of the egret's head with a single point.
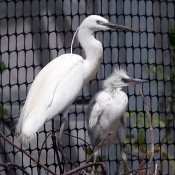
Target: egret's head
<point x="97" y="23"/>
<point x="119" y="78"/>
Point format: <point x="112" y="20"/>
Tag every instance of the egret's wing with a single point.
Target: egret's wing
<point x="94" y="114"/>
<point x="62" y="74"/>
<point x="66" y="92"/>
<point x="49" y="78"/>
<point x="123" y="120"/>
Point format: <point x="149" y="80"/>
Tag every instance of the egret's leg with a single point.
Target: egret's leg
<point x="121" y="136"/>
<point x="123" y="155"/>
<point x="96" y="155"/>
<point x="55" y="147"/>
<point x="95" y="159"/>
<point x="60" y="137"/>
<point x="60" y="142"/>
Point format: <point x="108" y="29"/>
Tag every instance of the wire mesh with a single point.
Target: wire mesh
<point x="32" y="33"/>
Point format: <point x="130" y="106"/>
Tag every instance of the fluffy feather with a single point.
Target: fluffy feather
<point x="114" y="81"/>
<point x="24" y="139"/>
<point x="106" y="111"/>
<point x="21" y="136"/>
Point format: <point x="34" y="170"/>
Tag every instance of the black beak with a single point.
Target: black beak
<point x="133" y="81"/>
<point x="120" y="27"/>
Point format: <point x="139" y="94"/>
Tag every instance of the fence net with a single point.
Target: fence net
<point x="32" y="33"/>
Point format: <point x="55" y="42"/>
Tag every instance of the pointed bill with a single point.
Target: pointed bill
<point x="133" y="81"/>
<point x="120" y="27"/>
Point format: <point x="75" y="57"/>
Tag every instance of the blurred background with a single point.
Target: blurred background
<point x="32" y="33"/>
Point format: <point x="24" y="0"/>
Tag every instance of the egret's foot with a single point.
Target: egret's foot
<point x="93" y="170"/>
<point x="124" y="158"/>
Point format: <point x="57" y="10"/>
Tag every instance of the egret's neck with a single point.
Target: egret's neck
<point x="113" y="91"/>
<point x="93" y="51"/>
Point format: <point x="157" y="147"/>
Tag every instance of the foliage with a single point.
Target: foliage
<point x="89" y="151"/>
<point x="2" y="67"/>
<point x="3" y="112"/>
<point x="140" y="120"/>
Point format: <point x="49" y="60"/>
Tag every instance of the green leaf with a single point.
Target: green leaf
<point x="87" y="149"/>
<point x="141" y="136"/>
<point x="3" y="114"/>
<point x="132" y="136"/>
<point x="2" y="67"/>
<point x="156" y="121"/>
<point x="170" y="138"/>
<point x="142" y="121"/>
<point x="170" y="119"/>
<point x="103" y="157"/>
<point x="121" y="162"/>
<point x="172" y="37"/>
<point x="164" y="155"/>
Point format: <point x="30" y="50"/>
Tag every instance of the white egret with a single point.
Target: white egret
<point x="106" y="112"/>
<point x="57" y="85"/>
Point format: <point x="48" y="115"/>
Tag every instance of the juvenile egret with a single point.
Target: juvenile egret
<point x="106" y="112"/>
<point x="59" y="82"/>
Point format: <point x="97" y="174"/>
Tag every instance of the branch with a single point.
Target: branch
<point x="20" y="149"/>
<point x="105" y="137"/>
<point x="74" y="137"/>
<point x="151" y="131"/>
<point x="41" y="150"/>
<point x="78" y="138"/>
<point x="6" y="165"/>
<point x="75" y="170"/>
<point x="56" y="151"/>
<point x="128" y="172"/>
<point x="43" y="144"/>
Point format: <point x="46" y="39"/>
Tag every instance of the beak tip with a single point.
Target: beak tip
<point x="144" y="81"/>
<point x="135" y="31"/>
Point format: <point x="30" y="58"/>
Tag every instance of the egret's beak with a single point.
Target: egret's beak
<point x="120" y="27"/>
<point x="133" y="81"/>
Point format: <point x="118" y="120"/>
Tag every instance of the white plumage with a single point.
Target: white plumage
<point x="59" y="82"/>
<point x="106" y="111"/>
<point x="50" y="94"/>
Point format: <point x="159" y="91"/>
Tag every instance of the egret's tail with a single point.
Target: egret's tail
<point x="18" y="129"/>
<point x="19" y="133"/>
<point x="24" y="139"/>
<point x="30" y="121"/>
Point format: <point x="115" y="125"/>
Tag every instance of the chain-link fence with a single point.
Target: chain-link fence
<point x="32" y="33"/>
